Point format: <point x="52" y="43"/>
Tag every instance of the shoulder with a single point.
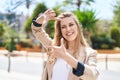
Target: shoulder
<point x="90" y="51"/>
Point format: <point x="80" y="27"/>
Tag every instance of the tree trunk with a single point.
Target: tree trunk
<point x="79" y="4"/>
<point x="87" y="36"/>
<point x="9" y="62"/>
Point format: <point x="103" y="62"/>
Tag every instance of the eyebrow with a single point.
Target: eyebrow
<point x="69" y="23"/>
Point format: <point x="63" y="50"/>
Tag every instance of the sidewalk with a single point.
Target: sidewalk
<point x="104" y="75"/>
<point x="4" y="75"/>
<point x="22" y="68"/>
<point x="109" y="75"/>
<point x="30" y="67"/>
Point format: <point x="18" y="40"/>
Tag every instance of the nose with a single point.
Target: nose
<point x="68" y="28"/>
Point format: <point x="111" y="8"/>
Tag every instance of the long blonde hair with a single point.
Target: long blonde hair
<point x="79" y="41"/>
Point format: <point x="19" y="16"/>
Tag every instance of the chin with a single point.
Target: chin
<point x="71" y="39"/>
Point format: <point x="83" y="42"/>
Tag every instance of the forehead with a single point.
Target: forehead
<point x="67" y="20"/>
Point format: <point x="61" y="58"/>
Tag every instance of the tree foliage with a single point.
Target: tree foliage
<point x="87" y="18"/>
<point x="1" y="29"/>
<point x="27" y="26"/>
<point x="11" y="45"/>
<point x="117" y="14"/>
<point x="115" y="35"/>
<point x="40" y="8"/>
<point x="102" y="41"/>
<point x="77" y="3"/>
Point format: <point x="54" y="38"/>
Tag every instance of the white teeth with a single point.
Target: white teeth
<point x="68" y="34"/>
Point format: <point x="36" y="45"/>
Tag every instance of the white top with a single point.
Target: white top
<point x="60" y="70"/>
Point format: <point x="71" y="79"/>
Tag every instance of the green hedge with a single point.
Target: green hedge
<point x="115" y="35"/>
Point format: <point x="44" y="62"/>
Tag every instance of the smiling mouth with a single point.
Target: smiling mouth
<point x="69" y="34"/>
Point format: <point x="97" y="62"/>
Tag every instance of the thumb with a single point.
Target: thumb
<point x="62" y="43"/>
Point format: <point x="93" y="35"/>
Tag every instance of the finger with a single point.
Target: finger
<point x="48" y="10"/>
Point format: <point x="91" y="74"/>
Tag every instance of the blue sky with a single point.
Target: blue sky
<point x="103" y="8"/>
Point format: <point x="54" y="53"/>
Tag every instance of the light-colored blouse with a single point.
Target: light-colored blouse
<point x="60" y="70"/>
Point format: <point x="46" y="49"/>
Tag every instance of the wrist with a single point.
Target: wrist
<point x="35" y="23"/>
<point x="40" y="19"/>
<point x="71" y="60"/>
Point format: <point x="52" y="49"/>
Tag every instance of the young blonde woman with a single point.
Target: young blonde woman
<point x="70" y="58"/>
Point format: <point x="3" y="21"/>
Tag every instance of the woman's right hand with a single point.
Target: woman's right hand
<point x="49" y="15"/>
<point x="46" y="16"/>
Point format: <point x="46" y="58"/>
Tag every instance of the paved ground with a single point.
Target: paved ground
<point x="31" y="67"/>
<point x="4" y="75"/>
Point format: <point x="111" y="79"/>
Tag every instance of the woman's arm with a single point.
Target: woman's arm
<point x="39" y="31"/>
<point x="90" y="72"/>
<point x="42" y="36"/>
<point x="85" y="71"/>
<point x="61" y="52"/>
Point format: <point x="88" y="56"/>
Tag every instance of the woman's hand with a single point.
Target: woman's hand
<point x="58" y="51"/>
<point x="46" y="16"/>
<point x="61" y="52"/>
<point x="49" y="15"/>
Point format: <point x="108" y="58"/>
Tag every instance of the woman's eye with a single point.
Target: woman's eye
<point x="71" y="24"/>
<point x="63" y="27"/>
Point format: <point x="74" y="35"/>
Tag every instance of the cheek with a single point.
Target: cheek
<point x="63" y="32"/>
<point x="76" y="29"/>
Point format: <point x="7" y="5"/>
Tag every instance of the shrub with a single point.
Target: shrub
<point x="102" y="41"/>
<point x="10" y="45"/>
<point x="115" y="35"/>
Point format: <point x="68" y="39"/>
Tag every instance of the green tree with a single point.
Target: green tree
<point x="27" y="25"/>
<point x="1" y="30"/>
<point x="117" y="14"/>
<point x="77" y="2"/>
<point x="10" y="34"/>
<point x="10" y="46"/>
<point x="40" y="8"/>
<point x="1" y="34"/>
<point x="88" y="20"/>
<point x="102" y="41"/>
<point x="115" y="35"/>
<point x="103" y="26"/>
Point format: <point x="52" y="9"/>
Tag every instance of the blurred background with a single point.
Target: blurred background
<point x="22" y="57"/>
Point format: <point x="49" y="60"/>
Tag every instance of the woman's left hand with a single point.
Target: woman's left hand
<point x="58" y="51"/>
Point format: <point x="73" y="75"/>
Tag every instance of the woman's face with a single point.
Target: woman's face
<point x="69" y="29"/>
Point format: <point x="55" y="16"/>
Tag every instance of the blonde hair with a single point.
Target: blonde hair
<point x="79" y="41"/>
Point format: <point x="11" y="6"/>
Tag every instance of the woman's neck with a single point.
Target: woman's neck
<point x="71" y="45"/>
